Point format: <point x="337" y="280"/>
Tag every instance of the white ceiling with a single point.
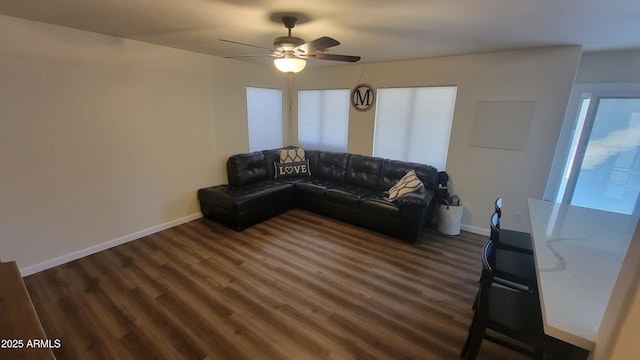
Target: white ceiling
<point x="376" y="30"/>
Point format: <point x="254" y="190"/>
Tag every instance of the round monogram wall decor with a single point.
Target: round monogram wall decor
<point x="362" y="97"/>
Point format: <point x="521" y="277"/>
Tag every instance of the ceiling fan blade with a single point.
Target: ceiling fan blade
<point x="252" y="55"/>
<point x="318" y="44"/>
<point x="239" y="43"/>
<point x="336" y="57"/>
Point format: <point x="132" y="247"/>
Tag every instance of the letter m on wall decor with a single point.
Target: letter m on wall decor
<point x="362" y="97"/>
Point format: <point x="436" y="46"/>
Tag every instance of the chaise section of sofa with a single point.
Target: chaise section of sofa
<point x="349" y="187"/>
<point x="251" y="196"/>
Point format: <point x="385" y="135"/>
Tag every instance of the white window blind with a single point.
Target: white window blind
<point x="323" y="119"/>
<point x="264" y="113"/>
<point x="414" y="124"/>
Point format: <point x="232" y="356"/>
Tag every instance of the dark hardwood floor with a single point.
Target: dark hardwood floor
<point x="298" y="286"/>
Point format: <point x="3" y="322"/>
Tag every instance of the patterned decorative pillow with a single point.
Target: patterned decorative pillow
<point x="298" y="168"/>
<point x="291" y="155"/>
<point x="408" y="184"/>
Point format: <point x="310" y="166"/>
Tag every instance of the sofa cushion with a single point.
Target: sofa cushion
<point x="243" y="169"/>
<point x="271" y="156"/>
<point x="314" y="157"/>
<point x="408" y="184"/>
<point x="240" y="198"/>
<point x="332" y="165"/>
<point x="348" y="195"/>
<point x="376" y="204"/>
<point x="394" y="170"/>
<point x="416" y="199"/>
<point x="363" y="170"/>
<point x="314" y="187"/>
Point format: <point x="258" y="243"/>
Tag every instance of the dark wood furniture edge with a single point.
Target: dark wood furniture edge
<point x="21" y="333"/>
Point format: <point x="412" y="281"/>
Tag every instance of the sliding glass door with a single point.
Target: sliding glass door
<point x="603" y="167"/>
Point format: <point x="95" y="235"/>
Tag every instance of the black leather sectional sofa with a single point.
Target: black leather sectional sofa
<point x="344" y="186"/>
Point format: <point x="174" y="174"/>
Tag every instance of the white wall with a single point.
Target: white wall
<point x="103" y="140"/>
<point x="609" y="67"/>
<point x="479" y="175"/>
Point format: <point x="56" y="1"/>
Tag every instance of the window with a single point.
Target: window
<point x="323" y="119"/>
<point x="264" y="113"/>
<point x="597" y="163"/>
<point x="414" y="124"/>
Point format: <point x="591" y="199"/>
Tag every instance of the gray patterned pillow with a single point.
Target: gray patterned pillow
<point x="291" y="155"/>
<point x="408" y="184"/>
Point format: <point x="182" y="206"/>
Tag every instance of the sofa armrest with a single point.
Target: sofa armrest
<point x="416" y="199"/>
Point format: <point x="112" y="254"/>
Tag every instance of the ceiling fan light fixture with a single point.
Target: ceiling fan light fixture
<point x="289" y="64"/>
<point x="291" y="52"/>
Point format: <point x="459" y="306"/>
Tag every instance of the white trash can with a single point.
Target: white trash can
<point x="449" y="217"/>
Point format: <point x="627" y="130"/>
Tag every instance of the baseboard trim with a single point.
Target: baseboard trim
<point x="29" y="270"/>
<point x="475" y="230"/>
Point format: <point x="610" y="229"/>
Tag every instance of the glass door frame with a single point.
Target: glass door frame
<point x="584" y="134"/>
<point x="576" y="133"/>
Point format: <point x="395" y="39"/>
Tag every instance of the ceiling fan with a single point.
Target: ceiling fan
<point x="290" y="52"/>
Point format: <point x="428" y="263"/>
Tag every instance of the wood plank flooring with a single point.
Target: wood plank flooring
<point x="298" y="286"/>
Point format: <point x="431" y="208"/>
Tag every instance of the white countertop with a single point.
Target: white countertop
<point x="578" y="255"/>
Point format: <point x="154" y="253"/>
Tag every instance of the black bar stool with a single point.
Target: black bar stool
<point x="509" y="239"/>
